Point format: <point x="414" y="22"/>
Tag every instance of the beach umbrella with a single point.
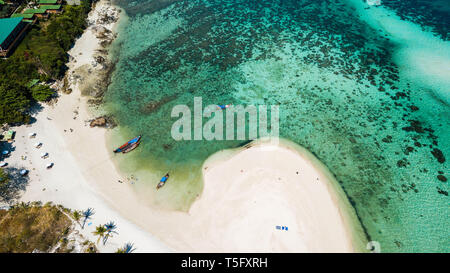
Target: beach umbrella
<point x="32" y="135"/>
<point x="23" y="172"/>
<point x="49" y="165"/>
<point x="5" y="152"/>
<point x="37" y="144"/>
<point x="3" y="164"/>
<point x="44" y="154"/>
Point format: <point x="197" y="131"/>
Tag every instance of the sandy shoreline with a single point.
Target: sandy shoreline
<point x="275" y="185"/>
<point x="263" y="189"/>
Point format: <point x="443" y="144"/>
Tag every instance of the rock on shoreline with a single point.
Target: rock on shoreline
<point x="103" y="121"/>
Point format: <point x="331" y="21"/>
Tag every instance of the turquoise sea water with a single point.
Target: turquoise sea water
<point x="351" y="89"/>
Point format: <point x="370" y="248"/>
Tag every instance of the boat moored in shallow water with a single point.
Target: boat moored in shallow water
<point x="129" y="146"/>
<point x="163" y="181"/>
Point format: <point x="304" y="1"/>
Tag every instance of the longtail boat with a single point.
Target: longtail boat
<point x="129" y="146"/>
<point x="163" y="181"/>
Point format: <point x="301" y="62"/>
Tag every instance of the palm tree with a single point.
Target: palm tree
<point x="100" y="232"/>
<point x="110" y="228"/>
<point x="76" y="216"/>
<point x="87" y="215"/>
<point x="128" y="248"/>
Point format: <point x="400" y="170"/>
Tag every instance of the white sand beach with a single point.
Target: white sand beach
<point x="250" y="193"/>
<point x="247" y="193"/>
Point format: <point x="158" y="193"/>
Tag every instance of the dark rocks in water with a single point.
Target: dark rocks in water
<point x="408" y="150"/>
<point x="156" y="104"/>
<point x="441" y="191"/>
<point x="414" y="108"/>
<point x="415" y="126"/>
<point x="407" y="188"/>
<point x="402" y="163"/>
<point x="400" y="94"/>
<point x="438" y="155"/>
<point x="404" y="188"/>
<point x="442" y="178"/>
<point x="387" y="139"/>
<point x="417" y="144"/>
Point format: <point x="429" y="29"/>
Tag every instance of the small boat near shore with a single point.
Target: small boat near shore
<point x="163" y="181"/>
<point x="129" y="146"/>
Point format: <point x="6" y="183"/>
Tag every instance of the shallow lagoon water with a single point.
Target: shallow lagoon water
<point x="348" y="91"/>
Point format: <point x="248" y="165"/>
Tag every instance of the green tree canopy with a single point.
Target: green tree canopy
<point x="41" y="55"/>
<point x="13" y="104"/>
<point x="41" y="92"/>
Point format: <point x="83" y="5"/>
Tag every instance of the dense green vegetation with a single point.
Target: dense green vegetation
<point x="13" y="101"/>
<point x="7" y="8"/>
<point x="41" y="55"/>
<point x="41" y="92"/>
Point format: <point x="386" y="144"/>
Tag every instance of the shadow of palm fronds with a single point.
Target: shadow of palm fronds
<point x="12" y="185"/>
